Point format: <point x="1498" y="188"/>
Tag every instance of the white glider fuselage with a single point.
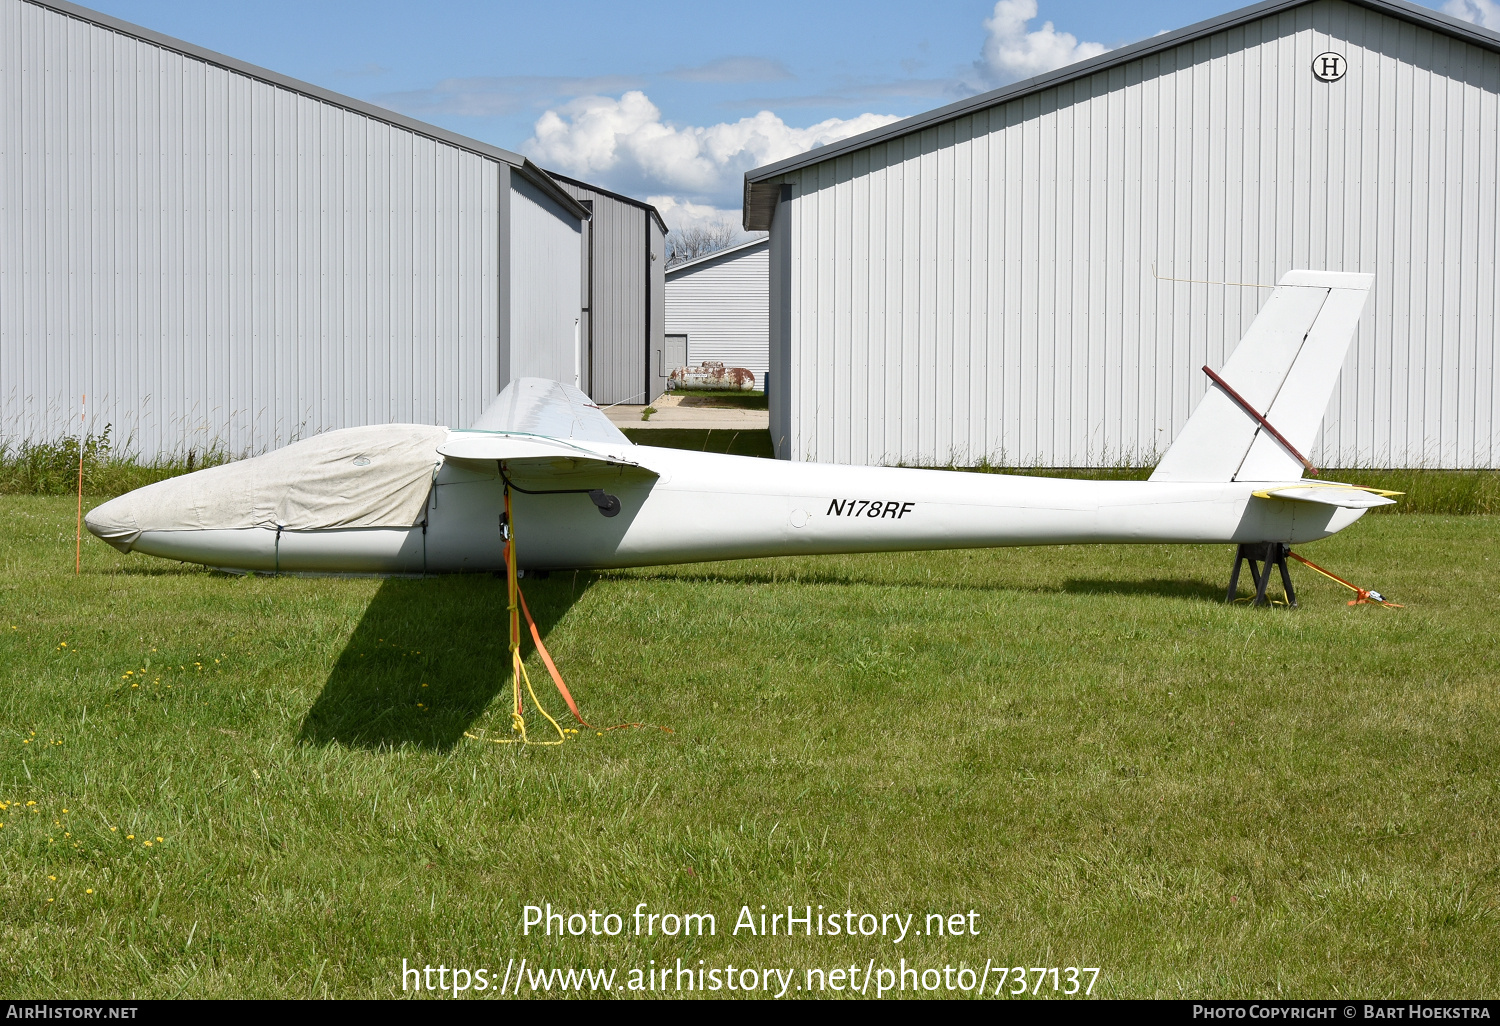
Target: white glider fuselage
<point x="705" y="506"/>
<point x="422" y="499"/>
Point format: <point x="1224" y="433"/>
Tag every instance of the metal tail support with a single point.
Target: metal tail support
<point x="1261" y="557"/>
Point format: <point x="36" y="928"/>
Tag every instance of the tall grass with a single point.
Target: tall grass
<point x="51" y="468"/>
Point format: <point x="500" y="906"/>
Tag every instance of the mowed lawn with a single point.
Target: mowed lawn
<point x="1085" y="746"/>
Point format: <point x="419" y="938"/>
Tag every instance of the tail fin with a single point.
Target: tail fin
<point x="1286" y="367"/>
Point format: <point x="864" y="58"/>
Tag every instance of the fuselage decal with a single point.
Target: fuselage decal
<point x="872" y="508"/>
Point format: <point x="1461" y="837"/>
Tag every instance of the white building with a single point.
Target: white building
<point x="978" y="281"/>
<point x="218" y="255"/>
<point x="717" y="309"/>
<point x="624" y="258"/>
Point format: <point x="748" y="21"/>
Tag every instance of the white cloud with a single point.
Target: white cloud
<point x="1011" y="52"/>
<point x="1481" y="12"/>
<point x="624" y="144"/>
<point x="680" y="213"/>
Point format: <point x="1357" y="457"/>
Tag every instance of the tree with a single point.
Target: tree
<point x="699" y="240"/>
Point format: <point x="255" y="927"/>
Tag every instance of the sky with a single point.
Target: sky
<point x="670" y="101"/>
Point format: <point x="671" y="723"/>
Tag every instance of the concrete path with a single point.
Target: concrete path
<point x="671" y="414"/>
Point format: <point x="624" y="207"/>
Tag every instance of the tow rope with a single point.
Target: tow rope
<point x="517" y="607"/>
<point x="518" y="674"/>
<point x="1361" y="595"/>
<point x="536" y="636"/>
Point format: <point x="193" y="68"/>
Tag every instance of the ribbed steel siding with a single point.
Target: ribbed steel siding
<point x="722" y="307"/>
<point x="656" y="264"/>
<point x="215" y="260"/>
<point x="618" y="301"/>
<point x="984" y="288"/>
<point x="546" y="282"/>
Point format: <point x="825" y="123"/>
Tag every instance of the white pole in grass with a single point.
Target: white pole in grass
<point x="78" y="537"/>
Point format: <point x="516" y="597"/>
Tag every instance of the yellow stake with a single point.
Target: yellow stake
<point x="78" y="538"/>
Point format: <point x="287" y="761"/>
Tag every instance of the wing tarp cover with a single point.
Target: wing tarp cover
<point x="537" y="406"/>
<point x="375" y="476"/>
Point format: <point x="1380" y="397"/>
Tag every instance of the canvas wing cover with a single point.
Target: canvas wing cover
<point x="548" y="435"/>
<point x="548" y="409"/>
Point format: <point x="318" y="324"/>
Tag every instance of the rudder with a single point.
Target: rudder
<point x="1285" y="367"/>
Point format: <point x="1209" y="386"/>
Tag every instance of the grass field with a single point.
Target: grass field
<point x="1083" y="745"/>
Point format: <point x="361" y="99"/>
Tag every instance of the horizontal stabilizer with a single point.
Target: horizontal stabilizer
<point x="1331" y="494"/>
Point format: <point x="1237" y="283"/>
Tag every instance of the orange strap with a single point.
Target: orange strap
<point x="562" y="688"/>
<point x="1361" y="595"/>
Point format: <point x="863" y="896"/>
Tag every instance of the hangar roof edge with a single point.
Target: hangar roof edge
<point x="697" y="262"/>
<point x="760" y="203"/>
<point x="520" y="163"/>
<point x="642" y="204"/>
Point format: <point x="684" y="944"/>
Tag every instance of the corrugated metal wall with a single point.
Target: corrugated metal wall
<point x="656" y="311"/>
<point x="984" y="288"/>
<point x="617" y="304"/>
<point x="546" y="287"/>
<point x="215" y="260"/>
<point x="722" y="307"/>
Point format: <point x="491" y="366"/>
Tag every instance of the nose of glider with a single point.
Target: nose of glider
<point x="114" y="522"/>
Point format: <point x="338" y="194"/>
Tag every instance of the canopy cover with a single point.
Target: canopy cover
<point x="375" y="476"/>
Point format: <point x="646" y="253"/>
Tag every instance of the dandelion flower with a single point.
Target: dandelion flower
<point x="65" y="812"/>
<point x="50" y="900"/>
<point x="113" y="829"/>
<point x="130" y="837"/>
<point x="31" y="803"/>
<point x="27" y="741"/>
<point x="146" y="843"/>
<point x="63" y="645"/>
<point x="88" y="890"/>
<point x="161" y="838"/>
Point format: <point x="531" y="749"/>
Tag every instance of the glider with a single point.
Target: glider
<point x="417" y="499"/>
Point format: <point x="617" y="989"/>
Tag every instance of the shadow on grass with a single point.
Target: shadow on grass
<point x="1162" y="589"/>
<point x="428" y="658"/>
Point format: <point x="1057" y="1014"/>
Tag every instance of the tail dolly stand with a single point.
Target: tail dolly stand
<point x="1261" y="557"/>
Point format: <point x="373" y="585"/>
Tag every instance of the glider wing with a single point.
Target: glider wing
<point x="548" y="409"/>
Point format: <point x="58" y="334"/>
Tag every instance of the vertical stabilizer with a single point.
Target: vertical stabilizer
<point x="1285" y="367"/>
